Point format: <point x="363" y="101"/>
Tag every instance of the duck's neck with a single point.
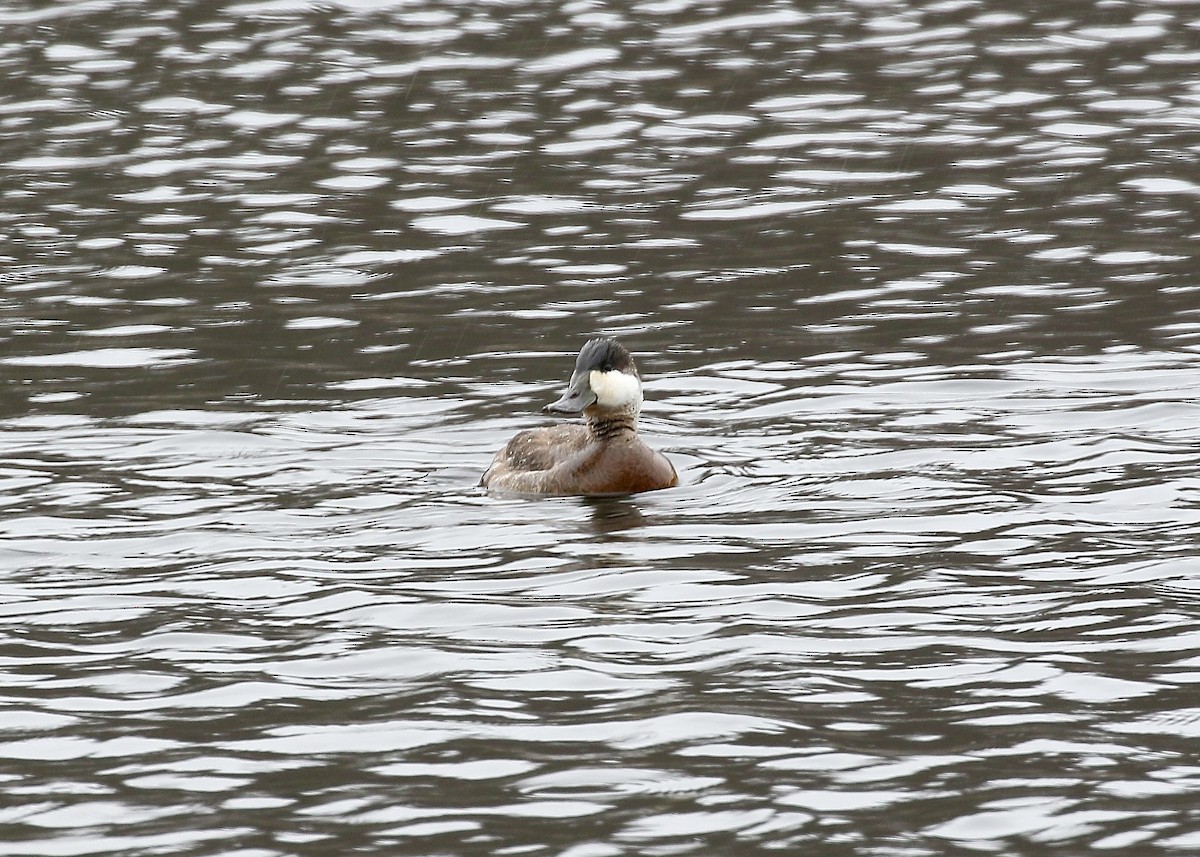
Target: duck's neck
<point x="609" y="425"/>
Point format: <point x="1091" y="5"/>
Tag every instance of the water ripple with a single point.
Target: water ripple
<point x="912" y="288"/>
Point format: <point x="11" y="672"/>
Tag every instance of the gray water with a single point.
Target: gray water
<point x="914" y="288"/>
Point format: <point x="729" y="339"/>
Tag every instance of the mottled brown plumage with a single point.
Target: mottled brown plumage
<point x="605" y="456"/>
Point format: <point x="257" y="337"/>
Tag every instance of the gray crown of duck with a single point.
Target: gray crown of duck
<point x="604" y="355"/>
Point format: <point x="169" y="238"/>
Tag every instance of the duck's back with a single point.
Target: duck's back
<point x="542" y="448"/>
<point x="528" y="460"/>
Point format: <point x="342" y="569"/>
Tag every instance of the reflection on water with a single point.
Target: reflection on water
<point x="913" y="288"/>
<point x="614" y="514"/>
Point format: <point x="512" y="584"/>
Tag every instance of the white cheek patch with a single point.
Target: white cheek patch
<point x="615" y="389"/>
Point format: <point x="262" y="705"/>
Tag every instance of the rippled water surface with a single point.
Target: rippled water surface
<point x="915" y="291"/>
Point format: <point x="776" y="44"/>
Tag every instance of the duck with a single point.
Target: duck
<point x="604" y="455"/>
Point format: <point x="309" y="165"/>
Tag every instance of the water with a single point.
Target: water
<point x="914" y="290"/>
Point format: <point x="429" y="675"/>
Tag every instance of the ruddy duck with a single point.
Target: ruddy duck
<point x="605" y="456"/>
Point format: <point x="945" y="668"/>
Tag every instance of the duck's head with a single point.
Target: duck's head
<point x="605" y="381"/>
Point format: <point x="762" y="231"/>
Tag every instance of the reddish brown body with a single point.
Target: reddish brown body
<point x="572" y="459"/>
